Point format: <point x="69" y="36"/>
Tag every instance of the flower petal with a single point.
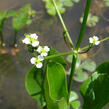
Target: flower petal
<point x="33" y="36"/>
<point x="39" y="65"/>
<point x="26" y="41"/>
<point x="35" y="44"/>
<point x="33" y="60"/>
<point x="90" y="40"/>
<point x="95" y="38"/>
<point x="97" y="42"/>
<point x="44" y="54"/>
<point x="39" y="49"/>
<point x="41" y="58"/>
<point x="46" y="48"/>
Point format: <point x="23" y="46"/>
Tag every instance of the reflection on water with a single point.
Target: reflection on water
<point x="13" y="67"/>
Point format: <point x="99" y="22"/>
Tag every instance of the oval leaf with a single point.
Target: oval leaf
<point x="95" y="90"/>
<point x="56" y="78"/>
<point x="33" y="84"/>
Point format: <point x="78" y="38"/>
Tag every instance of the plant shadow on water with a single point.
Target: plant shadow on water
<point x="13" y="68"/>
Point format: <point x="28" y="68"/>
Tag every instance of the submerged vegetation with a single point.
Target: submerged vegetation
<point x="20" y="18"/>
<point x="61" y="4"/>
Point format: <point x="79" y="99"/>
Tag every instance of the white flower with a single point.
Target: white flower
<point x="43" y="50"/>
<point x="35" y="44"/>
<point x="26" y="41"/>
<point x="39" y="65"/>
<point x="94" y="40"/>
<point x="33" y="60"/>
<point x="37" y="61"/>
<point x="33" y="36"/>
<point x="31" y="39"/>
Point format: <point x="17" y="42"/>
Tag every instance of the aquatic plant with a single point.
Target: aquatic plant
<point x="91" y="21"/>
<point x="4" y="15"/>
<point x="84" y="65"/>
<point x="61" y="4"/>
<point x="21" y="18"/>
<point x="46" y="81"/>
<point x="106" y="2"/>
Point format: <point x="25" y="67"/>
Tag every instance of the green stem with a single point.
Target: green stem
<point x="106" y="38"/>
<point x="2" y="39"/>
<point x="57" y="55"/>
<point x="63" y="24"/>
<point x="74" y="60"/>
<point x="72" y="74"/>
<point x="83" y="26"/>
<point x="15" y="39"/>
<point x="1" y="32"/>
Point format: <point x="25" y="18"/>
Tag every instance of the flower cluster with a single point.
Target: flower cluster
<point x="42" y="51"/>
<point x="94" y="40"/>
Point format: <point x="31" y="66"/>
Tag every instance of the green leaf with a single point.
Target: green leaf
<point x="10" y="13"/>
<point x="89" y="65"/>
<point x="33" y="84"/>
<point x="6" y="14"/>
<point x="57" y="81"/>
<point x="21" y="18"/>
<point x="68" y="3"/>
<point x="51" y="9"/>
<point x="50" y="103"/>
<point x="73" y="96"/>
<point x="95" y="90"/>
<point x="59" y="59"/>
<point x="76" y="1"/>
<point x="80" y="76"/>
<point x="55" y="86"/>
<point x="75" y="104"/>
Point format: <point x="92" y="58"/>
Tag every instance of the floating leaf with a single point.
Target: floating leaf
<point x="75" y="104"/>
<point x="95" y="90"/>
<point x="73" y="96"/>
<point x="80" y="76"/>
<point x="68" y="3"/>
<point x="88" y="65"/>
<point x="21" y="18"/>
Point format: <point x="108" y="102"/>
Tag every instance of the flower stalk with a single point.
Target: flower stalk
<point x="64" y="26"/>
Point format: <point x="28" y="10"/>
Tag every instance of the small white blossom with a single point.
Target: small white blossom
<point x="35" y="44"/>
<point x="94" y="40"/>
<point x="33" y="36"/>
<point x="31" y="39"/>
<point x="33" y="60"/>
<point x="43" y="50"/>
<point x="37" y="61"/>
<point x="26" y="41"/>
<point x="39" y="65"/>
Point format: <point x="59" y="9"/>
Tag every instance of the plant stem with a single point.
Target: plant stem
<point x="2" y="39"/>
<point x="83" y="26"/>
<point x="57" y="55"/>
<point x="72" y="74"/>
<point x="15" y="39"/>
<point x="74" y="60"/>
<point x="106" y="38"/>
<point x="63" y="24"/>
<point x="1" y="32"/>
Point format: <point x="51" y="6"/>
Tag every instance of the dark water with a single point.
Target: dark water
<point x="14" y="67"/>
